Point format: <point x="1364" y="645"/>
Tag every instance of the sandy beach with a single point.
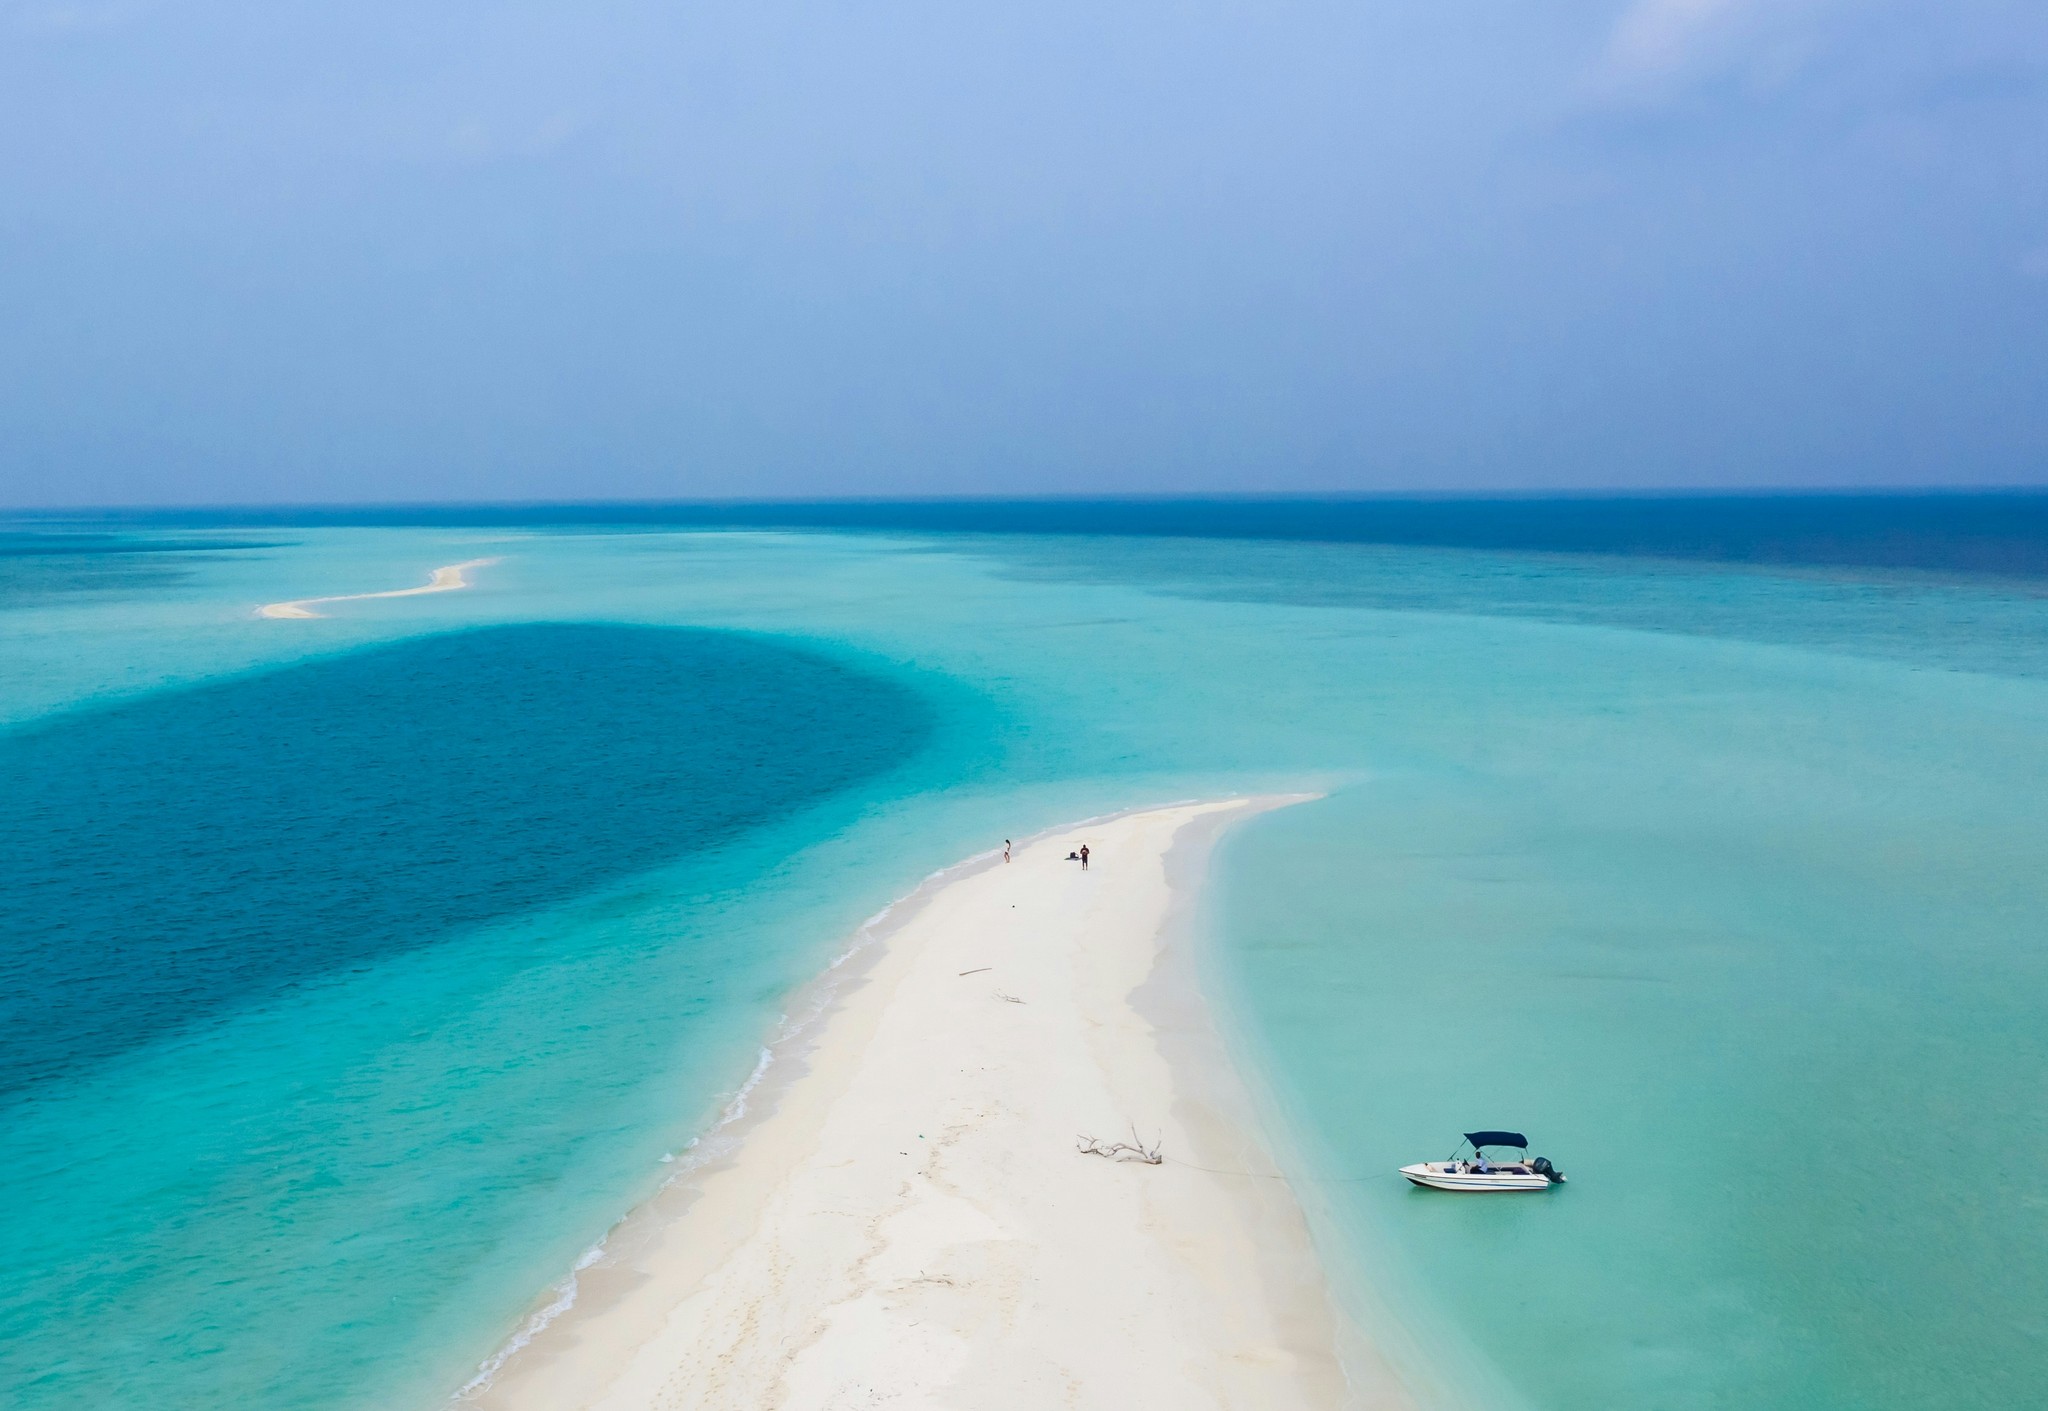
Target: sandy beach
<point x="905" y="1219"/>
<point x="442" y="580"/>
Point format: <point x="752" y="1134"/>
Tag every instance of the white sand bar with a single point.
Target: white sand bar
<point x="908" y="1222"/>
<point x="441" y="580"/>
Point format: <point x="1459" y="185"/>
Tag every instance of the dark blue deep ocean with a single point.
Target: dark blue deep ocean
<point x="1998" y="532"/>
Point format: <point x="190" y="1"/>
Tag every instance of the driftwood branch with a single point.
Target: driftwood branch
<point x="1132" y="1150"/>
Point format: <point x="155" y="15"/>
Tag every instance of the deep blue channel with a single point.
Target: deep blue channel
<point x="194" y="850"/>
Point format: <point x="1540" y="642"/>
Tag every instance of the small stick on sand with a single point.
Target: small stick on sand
<point x="1132" y="1150"/>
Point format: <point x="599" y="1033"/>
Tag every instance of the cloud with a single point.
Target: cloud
<point x="475" y="140"/>
<point x="1659" y="49"/>
<point x="79" y="17"/>
<point x="1658" y="37"/>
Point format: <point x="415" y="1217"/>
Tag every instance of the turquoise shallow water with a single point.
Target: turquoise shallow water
<point x="1722" y="883"/>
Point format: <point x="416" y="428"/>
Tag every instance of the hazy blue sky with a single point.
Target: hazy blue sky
<point x="280" y="251"/>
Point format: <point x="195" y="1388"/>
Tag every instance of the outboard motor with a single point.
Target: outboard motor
<point x="1542" y="1167"/>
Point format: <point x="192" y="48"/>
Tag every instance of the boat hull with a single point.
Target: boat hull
<point x="1436" y="1177"/>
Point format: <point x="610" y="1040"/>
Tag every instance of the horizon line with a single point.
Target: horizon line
<point x="1471" y="496"/>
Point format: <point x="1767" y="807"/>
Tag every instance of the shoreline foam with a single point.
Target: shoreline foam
<point x="808" y="1248"/>
<point x="442" y="580"/>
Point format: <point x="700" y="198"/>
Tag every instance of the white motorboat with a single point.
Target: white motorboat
<point x="1479" y="1172"/>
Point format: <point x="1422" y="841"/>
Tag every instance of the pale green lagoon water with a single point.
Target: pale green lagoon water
<point x="1723" y="884"/>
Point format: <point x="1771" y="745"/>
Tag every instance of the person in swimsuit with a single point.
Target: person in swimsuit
<point x="1084" y="857"/>
<point x="1006" y="849"/>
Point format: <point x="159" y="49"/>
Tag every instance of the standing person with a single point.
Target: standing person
<point x="1084" y="857"/>
<point x="1006" y="850"/>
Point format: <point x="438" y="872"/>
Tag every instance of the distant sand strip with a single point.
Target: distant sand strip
<point x="442" y="580"/>
<point x="905" y="1220"/>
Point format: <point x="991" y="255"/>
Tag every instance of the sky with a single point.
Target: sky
<point x="284" y="252"/>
